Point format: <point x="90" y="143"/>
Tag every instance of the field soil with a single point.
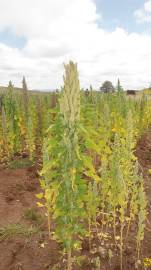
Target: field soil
<point x="18" y="188"/>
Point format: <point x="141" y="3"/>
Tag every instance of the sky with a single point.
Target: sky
<point x="109" y="39"/>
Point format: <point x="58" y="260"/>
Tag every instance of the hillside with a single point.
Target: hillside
<point x="3" y="90"/>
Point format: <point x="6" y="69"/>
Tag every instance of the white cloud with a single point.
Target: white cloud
<point x="45" y="18"/>
<point x="144" y="14"/>
<point x="147" y="6"/>
<point x="57" y="31"/>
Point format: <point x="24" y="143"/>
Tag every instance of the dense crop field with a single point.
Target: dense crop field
<point x="91" y="197"/>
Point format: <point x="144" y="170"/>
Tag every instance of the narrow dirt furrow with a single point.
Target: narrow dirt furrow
<point x="143" y="152"/>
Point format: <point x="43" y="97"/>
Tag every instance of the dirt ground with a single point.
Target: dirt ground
<point x="35" y="252"/>
<point x="143" y="152"/>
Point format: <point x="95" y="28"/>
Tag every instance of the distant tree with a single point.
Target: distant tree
<point x="119" y="87"/>
<point x="25" y="96"/>
<point x="92" y="94"/>
<point x="107" y="87"/>
<point x="53" y="100"/>
<point x="24" y="84"/>
<point x="91" y="88"/>
<point x="10" y="88"/>
<point x="10" y="101"/>
<point x="1" y="102"/>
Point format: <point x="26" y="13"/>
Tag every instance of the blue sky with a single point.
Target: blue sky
<point x="120" y="13"/>
<point x="10" y="39"/>
<point x="37" y="37"/>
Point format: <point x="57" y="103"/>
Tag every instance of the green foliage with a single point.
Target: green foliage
<point x="90" y="171"/>
<point x="22" y="131"/>
<point x="89" y="166"/>
<point x="62" y="166"/>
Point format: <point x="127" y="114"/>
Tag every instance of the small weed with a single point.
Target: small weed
<point x="19" y="187"/>
<point x="17" y="229"/>
<point x="97" y="263"/>
<point x="32" y="215"/>
<point x="56" y="267"/>
<point x="20" y="163"/>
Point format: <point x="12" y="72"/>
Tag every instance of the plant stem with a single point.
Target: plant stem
<point x="69" y="260"/>
<point x="49" y="224"/>
<point x="89" y="233"/>
<point x="121" y="247"/>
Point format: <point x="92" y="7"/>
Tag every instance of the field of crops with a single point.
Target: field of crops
<point x="75" y="179"/>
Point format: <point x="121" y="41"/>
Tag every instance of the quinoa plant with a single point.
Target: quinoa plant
<point x="62" y="170"/>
